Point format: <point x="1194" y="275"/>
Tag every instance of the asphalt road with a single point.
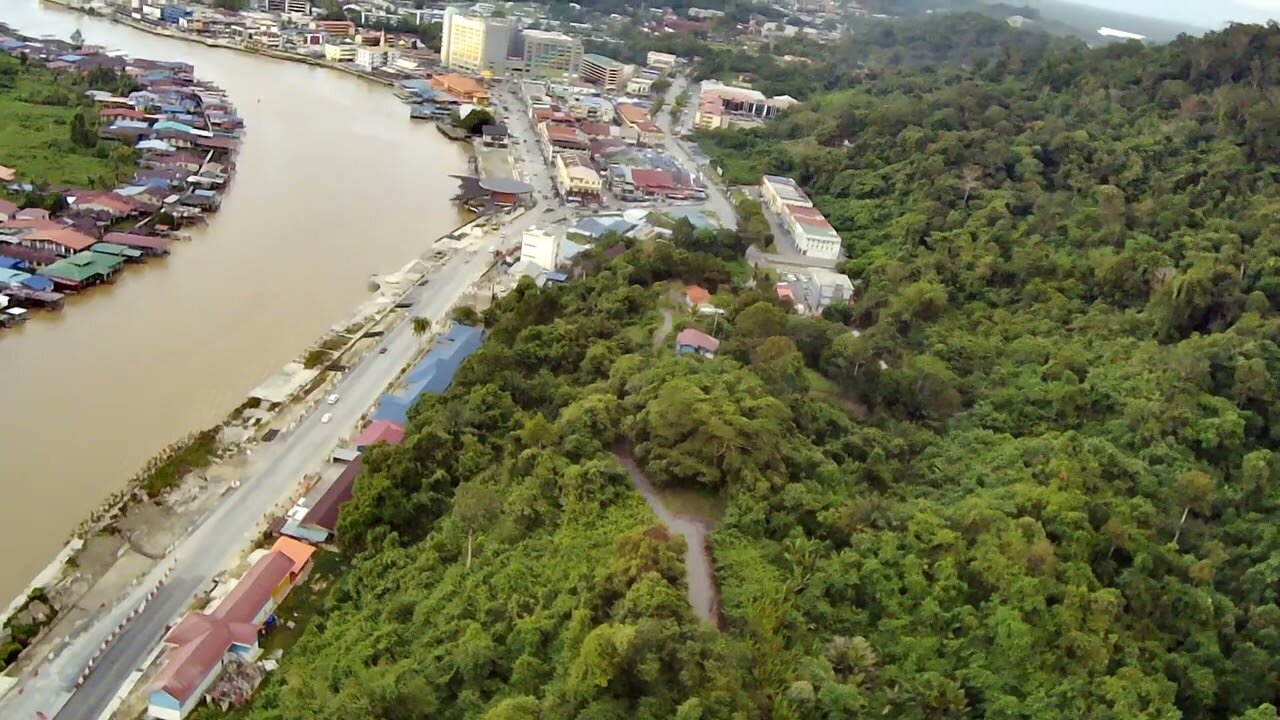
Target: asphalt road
<point x="717" y="200"/>
<point x="273" y="474"/>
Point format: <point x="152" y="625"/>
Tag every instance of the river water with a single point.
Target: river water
<point x="334" y="183"/>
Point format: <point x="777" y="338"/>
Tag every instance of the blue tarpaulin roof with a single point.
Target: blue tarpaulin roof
<point x="8" y="263"/>
<point x="433" y="374"/>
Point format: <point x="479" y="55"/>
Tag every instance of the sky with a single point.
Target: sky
<point x="1205" y="13"/>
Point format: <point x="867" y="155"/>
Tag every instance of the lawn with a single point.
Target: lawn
<point x="35" y="138"/>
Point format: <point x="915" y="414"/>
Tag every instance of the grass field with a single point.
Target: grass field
<point x="35" y="138"/>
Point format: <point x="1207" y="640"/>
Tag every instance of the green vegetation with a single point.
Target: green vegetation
<point x="48" y="127"/>
<point x="1040" y="482"/>
<point x="166" y="470"/>
<point x="315" y="357"/>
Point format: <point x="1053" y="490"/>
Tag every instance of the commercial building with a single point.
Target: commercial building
<point x="661" y="61"/>
<point x="812" y="234"/>
<point x="203" y="644"/>
<point x="577" y="178"/>
<point x="640" y="85"/>
<point x="550" y="54"/>
<point x="605" y="72"/>
<point x="540" y="247"/>
<point x="820" y="288"/>
<point x="721" y="106"/>
<point x="777" y="192"/>
<point x="476" y="45"/>
<point x="297" y="7"/>
<point x="340" y="52"/>
<point x="372" y="58"/>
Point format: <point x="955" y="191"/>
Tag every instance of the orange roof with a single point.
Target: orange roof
<point x="66" y="237"/>
<point x="296" y="550"/>
<point x="696" y="294"/>
<point x="460" y="84"/>
<point x="633" y="113"/>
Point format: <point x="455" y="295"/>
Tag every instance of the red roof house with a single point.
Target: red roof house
<point x="201" y="641"/>
<point x="696" y="295"/>
<point x="691" y="340"/>
<point x="7" y="209"/>
<point x="380" y="431"/>
<point x="7" y="174"/>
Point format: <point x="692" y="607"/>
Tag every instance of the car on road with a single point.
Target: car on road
<point x="382" y="351"/>
<point x="326" y="417"/>
<point x="332" y="399"/>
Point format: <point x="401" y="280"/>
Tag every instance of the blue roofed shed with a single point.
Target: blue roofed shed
<point x="433" y="374"/>
<point x="8" y="263"/>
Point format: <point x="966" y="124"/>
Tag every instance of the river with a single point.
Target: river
<point x="333" y="183"/>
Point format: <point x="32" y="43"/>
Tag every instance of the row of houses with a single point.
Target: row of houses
<point x="185" y="134"/>
<point x="591" y="154"/>
<point x="807" y="227"/>
<point x="212" y="654"/>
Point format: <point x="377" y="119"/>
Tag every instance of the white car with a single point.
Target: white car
<point x="326" y="417"/>
<point x="332" y="399"/>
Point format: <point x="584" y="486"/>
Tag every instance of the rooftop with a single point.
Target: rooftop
<point x="601" y="60"/>
<point x="695" y="338"/>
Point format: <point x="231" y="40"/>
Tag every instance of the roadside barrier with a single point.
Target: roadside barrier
<point x="102" y="647"/>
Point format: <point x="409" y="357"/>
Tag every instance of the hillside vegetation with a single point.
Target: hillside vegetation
<point x="1039" y="483"/>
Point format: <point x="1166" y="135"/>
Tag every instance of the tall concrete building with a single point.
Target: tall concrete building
<point x="298" y="7"/>
<point x="551" y="54"/>
<point x="474" y="44"/>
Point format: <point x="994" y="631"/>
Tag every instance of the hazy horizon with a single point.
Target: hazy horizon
<point x="1209" y="15"/>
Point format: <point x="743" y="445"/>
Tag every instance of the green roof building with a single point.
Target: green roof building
<point x="83" y="269"/>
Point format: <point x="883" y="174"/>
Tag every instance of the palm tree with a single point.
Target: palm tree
<point x="421" y="325"/>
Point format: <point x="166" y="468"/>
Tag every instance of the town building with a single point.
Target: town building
<point x="292" y="7"/>
<point x="315" y="518"/>
<point x="722" y="106"/>
<point x="466" y="89"/>
<point x="820" y="288"/>
<point x="661" y="61"/>
<point x="640" y="127"/>
<point x="812" y="234"/>
<point x="335" y="28"/>
<point x="540" y="247"/>
<point x="602" y="71"/>
<point x="550" y="54"/>
<point x="82" y="270"/>
<point x="477" y="45"/>
<point x="202" y="644"/>
<point x="577" y="178"/>
<point x="372" y="58"/>
<point x="640" y="85"/>
<point x="433" y="374"/>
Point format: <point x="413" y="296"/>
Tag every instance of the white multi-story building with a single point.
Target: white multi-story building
<point x="661" y="61"/>
<point x="808" y="228"/>
<point x="820" y="288"/>
<point x="541" y="247"/>
<point x="371" y="58"/>
<point x="475" y="45"/>
<point x="721" y="106"/>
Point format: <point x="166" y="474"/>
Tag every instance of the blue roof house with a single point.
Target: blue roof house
<point x="433" y="374"/>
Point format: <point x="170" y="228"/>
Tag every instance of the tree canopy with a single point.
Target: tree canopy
<point x="1031" y="474"/>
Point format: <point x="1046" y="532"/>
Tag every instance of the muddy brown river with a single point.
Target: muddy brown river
<point x="334" y="183"/>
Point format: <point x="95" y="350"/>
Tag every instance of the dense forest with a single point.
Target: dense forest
<point x="1032" y="474"/>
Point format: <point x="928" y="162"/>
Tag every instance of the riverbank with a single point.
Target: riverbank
<point x="215" y="43"/>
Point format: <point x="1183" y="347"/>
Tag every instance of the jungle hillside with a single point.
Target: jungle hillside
<point x="1030" y="475"/>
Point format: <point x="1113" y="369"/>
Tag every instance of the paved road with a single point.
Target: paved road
<point x="717" y="200"/>
<point x="273" y="474"/>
